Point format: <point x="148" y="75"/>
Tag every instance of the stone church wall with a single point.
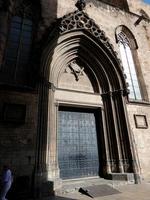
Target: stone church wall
<point x="108" y="19"/>
<point x="18" y="138"/>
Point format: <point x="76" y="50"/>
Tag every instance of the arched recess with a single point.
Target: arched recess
<point x="126" y="39"/>
<point x="87" y="45"/>
<point x="16" y="68"/>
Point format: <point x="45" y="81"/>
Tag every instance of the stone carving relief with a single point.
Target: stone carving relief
<point x="76" y="70"/>
<point x="74" y="77"/>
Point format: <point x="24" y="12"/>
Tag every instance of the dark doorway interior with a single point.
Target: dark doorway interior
<point x="78" y="153"/>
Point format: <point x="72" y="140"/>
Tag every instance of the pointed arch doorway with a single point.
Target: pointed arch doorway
<point x="79" y="121"/>
<point x="82" y="72"/>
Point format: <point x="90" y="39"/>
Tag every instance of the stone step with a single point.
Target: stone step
<point x="74" y="184"/>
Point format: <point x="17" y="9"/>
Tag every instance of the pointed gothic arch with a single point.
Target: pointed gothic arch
<point x="128" y="50"/>
<point x="72" y="41"/>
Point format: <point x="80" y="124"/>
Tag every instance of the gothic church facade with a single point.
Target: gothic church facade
<point x="75" y="90"/>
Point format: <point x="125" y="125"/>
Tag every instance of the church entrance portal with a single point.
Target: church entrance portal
<point x="77" y="143"/>
<point x="70" y="77"/>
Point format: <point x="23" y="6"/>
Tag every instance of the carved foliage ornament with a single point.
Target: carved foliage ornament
<point x="80" y="20"/>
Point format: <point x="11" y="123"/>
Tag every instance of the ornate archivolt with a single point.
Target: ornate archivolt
<point x="81" y="20"/>
<point x="76" y="32"/>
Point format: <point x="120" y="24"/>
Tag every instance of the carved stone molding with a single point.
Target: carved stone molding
<point x="80" y="20"/>
<point x="119" y="92"/>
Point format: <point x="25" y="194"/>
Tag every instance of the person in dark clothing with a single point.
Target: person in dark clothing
<point x="7" y="180"/>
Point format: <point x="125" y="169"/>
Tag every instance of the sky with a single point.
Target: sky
<point x="147" y="1"/>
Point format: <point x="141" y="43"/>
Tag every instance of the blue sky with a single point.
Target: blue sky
<point x="147" y="1"/>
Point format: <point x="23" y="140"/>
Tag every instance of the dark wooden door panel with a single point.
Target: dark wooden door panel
<point x="77" y="144"/>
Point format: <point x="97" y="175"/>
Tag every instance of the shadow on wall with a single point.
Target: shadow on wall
<point x="40" y="185"/>
<point x="47" y="18"/>
<point x="20" y="188"/>
<point x="26" y="186"/>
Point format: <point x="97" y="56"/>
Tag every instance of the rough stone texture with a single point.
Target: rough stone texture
<point x="141" y="137"/>
<point x="135" y="6"/>
<point x="3" y="33"/>
<point x="5" y="8"/>
<point x="17" y="143"/>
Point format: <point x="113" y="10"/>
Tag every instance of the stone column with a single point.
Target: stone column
<point x="117" y="129"/>
<point x="40" y="173"/>
<point x="52" y="157"/>
<point x="123" y="132"/>
<point x="112" y="132"/>
<point x="108" y="167"/>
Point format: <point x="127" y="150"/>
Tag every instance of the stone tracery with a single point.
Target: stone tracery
<point x="80" y="20"/>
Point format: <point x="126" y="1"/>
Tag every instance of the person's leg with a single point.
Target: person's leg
<point x="4" y="191"/>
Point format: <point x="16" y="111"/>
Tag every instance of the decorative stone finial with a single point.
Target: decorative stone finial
<point x="80" y="4"/>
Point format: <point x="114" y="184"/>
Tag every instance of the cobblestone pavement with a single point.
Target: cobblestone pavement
<point x="127" y="192"/>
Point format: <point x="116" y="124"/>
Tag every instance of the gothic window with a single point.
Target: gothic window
<point x="19" y="43"/>
<point x="127" y="46"/>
